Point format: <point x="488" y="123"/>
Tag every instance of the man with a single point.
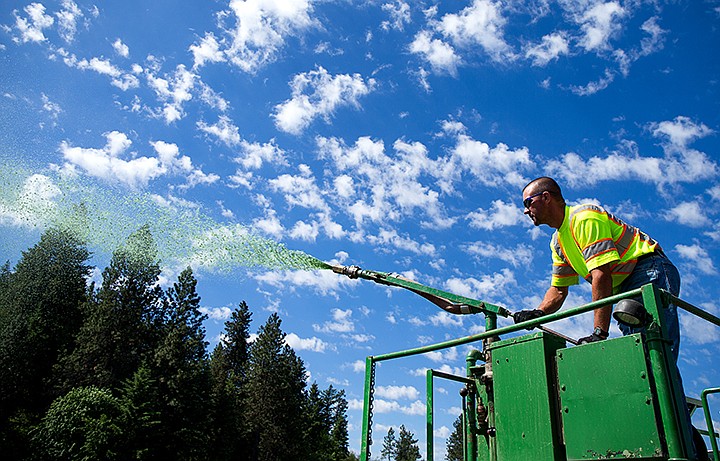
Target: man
<point x="610" y="254"/>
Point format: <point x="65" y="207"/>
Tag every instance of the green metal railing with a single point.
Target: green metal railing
<point x="669" y="392"/>
<point x="709" y="421"/>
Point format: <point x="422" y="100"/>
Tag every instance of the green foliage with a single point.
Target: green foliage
<point x="407" y="447"/>
<point x="455" y="449"/>
<point x="86" y="424"/>
<point x="389" y="448"/>
<point x="401" y="448"/>
<point x="39" y="319"/>
<point x="122" y="371"/>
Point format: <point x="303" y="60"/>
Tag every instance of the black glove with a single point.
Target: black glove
<point x="597" y="335"/>
<point x="522" y="316"/>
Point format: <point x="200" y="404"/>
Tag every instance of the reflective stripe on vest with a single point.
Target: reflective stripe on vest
<point x="619" y="244"/>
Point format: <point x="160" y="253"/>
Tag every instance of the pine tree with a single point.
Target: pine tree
<point x="180" y="368"/>
<point x="121" y="321"/>
<point x="39" y="318"/>
<point x="275" y="385"/>
<point x="455" y="449"/>
<point x="407" y="448"/>
<point x="389" y="448"/>
<point x="228" y="370"/>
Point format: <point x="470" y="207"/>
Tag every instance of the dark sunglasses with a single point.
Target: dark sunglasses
<point x="528" y="201"/>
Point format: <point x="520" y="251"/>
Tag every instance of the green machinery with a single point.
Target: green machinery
<point x="532" y="397"/>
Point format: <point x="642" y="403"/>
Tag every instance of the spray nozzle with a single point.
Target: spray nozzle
<point x="350" y="271"/>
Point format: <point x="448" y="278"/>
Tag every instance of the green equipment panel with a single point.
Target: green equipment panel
<point x="525" y="398"/>
<point x="608" y="407"/>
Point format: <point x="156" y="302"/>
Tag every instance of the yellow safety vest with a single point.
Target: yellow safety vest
<point x="590" y="237"/>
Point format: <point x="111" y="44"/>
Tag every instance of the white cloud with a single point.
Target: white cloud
<point x="174" y="90"/>
<point x="482" y="24"/>
<point x="358" y="366"/>
<point x="34" y="205"/>
<point x="324" y="282"/>
<point x="688" y="213"/>
<point x="697" y="330"/>
<point x="501" y="214"/>
<point x="300" y="190"/>
<point x="341" y="323"/>
<point x="67" y="20"/>
<point x="319" y="94"/>
<point x="489" y="285"/>
<point x="305" y="231"/>
<point x="520" y="256"/>
<point x="254" y="155"/>
<point x="261" y="30"/>
<point x="207" y="51"/>
<point x="106" y="163"/>
<point x="224" y="130"/>
<point x="399" y="12"/>
<point x="219" y="314"/>
<point x="599" y="23"/>
<point x="397" y="392"/>
<point x="551" y="48"/>
<point x="698" y="257"/>
<point x="681" y="131"/>
<point x="439" y="54"/>
<point x="31" y="28"/>
<point x="487" y="164"/>
<point x="596" y="86"/>
<point x="121" y="48"/>
<point x="305" y="344"/>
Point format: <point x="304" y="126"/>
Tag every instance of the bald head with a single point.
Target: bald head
<point x="544" y="183"/>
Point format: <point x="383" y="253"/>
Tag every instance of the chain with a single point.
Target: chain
<point x="371" y="399"/>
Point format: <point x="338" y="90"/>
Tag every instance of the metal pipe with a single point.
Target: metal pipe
<point x="429" y="420"/>
<point x="510" y="328"/>
<point x="677" y="434"/>
<point x="709" y="421"/>
<point x="367" y="409"/>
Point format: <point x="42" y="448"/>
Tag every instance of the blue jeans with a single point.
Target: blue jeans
<point x="658" y="270"/>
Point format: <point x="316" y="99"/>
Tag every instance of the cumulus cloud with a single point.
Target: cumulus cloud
<point x="521" y="255"/>
<point x="440" y="55"/>
<point x="487" y="164"/>
<point x="318" y="94"/>
<point x="550" y="48"/>
<point x="31" y="27"/>
<point x="68" y="18"/>
<point x="397" y="392"/>
<point x="121" y="48"/>
<point x="599" y="23"/>
<point x="259" y="33"/>
<point x="208" y="50"/>
<point x="680" y="163"/>
<point x="174" y="90"/>
<point x="306" y="344"/>
<point x="698" y="257"/>
<point x="399" y="12"/>
<point x="34" y="204"/>
<point x="106" y="163"/>
<point x="341" y="322"/>
<point x="224" y="130"/>
<point x="688" y="213"/>
<point x="500" y="214"/>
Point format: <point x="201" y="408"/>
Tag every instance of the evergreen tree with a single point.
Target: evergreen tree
<point x="455" y="449"/>
<point x="122" y="320"/>
<point x="389" y="448"/>
<point x="180" y="368"/>
<point x="407" y="448"/>
<point x="140" y="397"/>
<point x="275" y="385"/>
<point x="39" y="318"/>
<point x="228" y="369"/>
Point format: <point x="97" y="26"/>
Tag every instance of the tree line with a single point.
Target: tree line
<point x="122" y="371"/>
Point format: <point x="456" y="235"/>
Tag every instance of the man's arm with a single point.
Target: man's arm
<point x="553" y="300"/>
<point x="601" y="289"/>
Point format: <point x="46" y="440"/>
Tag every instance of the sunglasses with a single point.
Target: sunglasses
<point x="528" y="201"/>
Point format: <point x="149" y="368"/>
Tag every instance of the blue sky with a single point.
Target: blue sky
<point x="392" y="135"/>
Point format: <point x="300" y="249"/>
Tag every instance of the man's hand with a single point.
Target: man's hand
<point x="523" y="316"/>
<point x="597" y="335"/>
